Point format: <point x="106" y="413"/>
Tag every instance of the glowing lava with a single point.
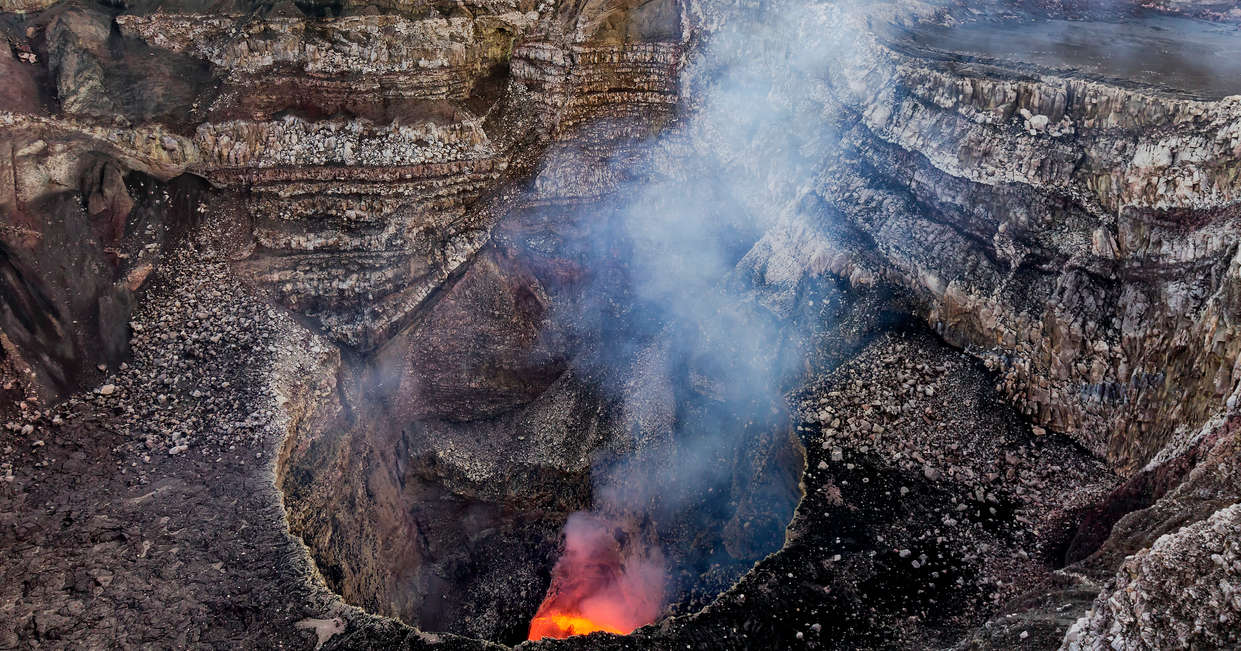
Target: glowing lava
<point x="604" y="582"/>
<point x="565" y="625"/>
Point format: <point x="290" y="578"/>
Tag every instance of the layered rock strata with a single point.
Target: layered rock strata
<point x="1078" y="235"/>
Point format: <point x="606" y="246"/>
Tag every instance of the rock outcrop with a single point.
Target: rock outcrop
<point x="1089" y="266"/>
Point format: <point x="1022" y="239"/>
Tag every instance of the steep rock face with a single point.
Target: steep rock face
<point x="353" y="245"/>
<point x="359" y="141"/>
<point x="369" y="153"/>
<point x="1147" y="606"/>
<point x="356" y="220"/>
<point x="75" y="257"/>
<point x="1080" y="235"/>
<point x="1175" y="537"/>
<point x="359" y="64"/>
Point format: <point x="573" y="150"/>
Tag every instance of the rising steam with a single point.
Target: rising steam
<point x="602" y="582"/>
<point x="734" y="170"/>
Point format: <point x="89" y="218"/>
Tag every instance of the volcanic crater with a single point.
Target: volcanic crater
<point x="620" y="325"/>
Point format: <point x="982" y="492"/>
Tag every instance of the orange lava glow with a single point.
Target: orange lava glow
<point x="561" y="626"/>
<point x="606" y="581"/>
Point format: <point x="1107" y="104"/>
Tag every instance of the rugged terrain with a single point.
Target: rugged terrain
<point x="319" y="320"/>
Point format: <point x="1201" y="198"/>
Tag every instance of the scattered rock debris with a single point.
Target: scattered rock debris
<point x="100" y="529"/>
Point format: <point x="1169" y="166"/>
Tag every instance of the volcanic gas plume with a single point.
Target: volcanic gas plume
<point x="607" y="580"/>
<point x="717" y="347"/>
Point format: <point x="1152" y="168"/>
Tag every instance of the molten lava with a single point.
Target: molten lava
<point x="604" y="582"/>
<point x="558" y="625"/>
